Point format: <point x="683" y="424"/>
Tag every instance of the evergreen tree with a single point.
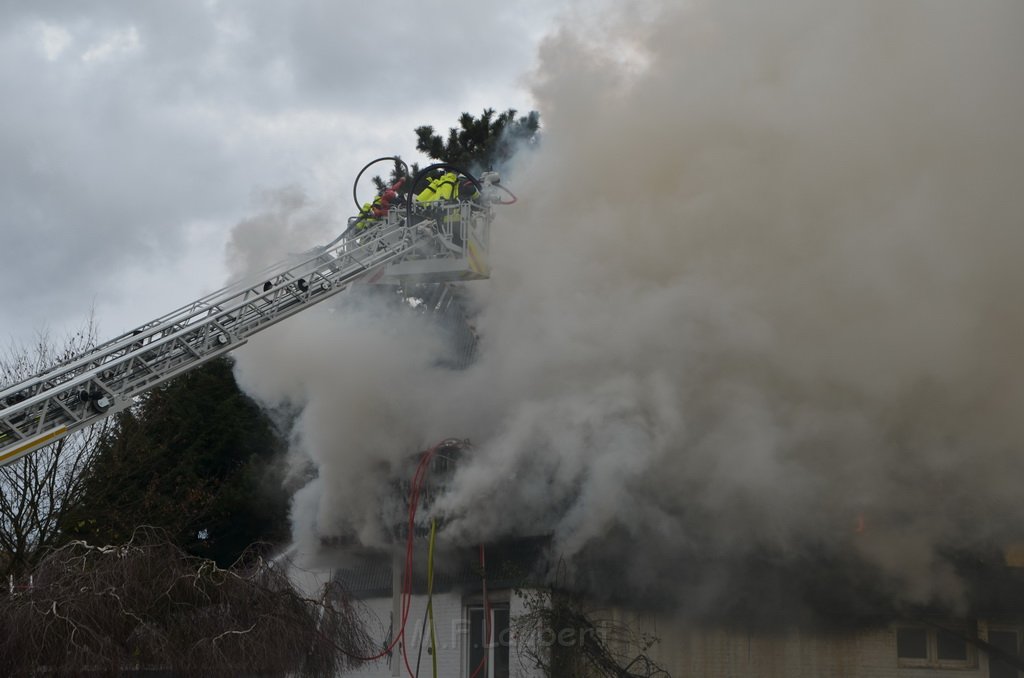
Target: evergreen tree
<point x="481" y="143"/>
<point x="476" y="145"/>
<point x="194" y="457"/>
<point x="397" y="172"/>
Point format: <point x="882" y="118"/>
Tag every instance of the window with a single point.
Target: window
<point x="1009" y="642"/>
<point x="492" y="642"/>
<point x="912" y="644"/>
<point x="950" y="646"/>
<point x="933" y="647"/>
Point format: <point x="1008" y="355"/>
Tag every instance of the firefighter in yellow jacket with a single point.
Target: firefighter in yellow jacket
<point x="372" y="212"/>
<point x="441" y="190"/>
<point x="444" y="187"/>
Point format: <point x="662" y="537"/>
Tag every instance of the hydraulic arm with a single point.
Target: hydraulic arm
<point x="432" y="244"/>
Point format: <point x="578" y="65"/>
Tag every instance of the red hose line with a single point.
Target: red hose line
<point x="406" y="593"/>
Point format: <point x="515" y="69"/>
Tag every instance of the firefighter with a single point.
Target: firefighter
<point x="372" y="212"/>
<point x="366" y="217"/>
<point x="442" y="190"/>
<point x="444" y="187"/>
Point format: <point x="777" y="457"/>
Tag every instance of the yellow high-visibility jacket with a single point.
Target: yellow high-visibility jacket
<point x="445" y="187"/>
<point x="366" y="218"/>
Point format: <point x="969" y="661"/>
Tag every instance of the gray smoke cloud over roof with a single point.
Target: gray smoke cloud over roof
<point x="760" y="294"/>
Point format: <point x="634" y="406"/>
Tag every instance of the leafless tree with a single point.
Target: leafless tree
<point x="564" y="638"/>
<point x="37" y="490"/>
<point x="148" y="606"/>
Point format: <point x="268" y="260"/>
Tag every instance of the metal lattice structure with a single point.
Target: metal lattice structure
<point x="432" y="243"/>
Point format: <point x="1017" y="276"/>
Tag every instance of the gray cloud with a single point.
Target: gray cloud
<point x="128" y="129"/>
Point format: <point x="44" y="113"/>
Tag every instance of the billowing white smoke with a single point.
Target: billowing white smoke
<point x="761" y="287"/>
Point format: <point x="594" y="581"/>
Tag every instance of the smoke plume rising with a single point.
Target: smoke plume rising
<point x="760" y="291"/>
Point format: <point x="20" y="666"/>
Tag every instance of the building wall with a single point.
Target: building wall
<point x="683" y="650"/>
<point x="451" y="637"/>
<point x="717" y="653"/>
<point x="447" y="608"/>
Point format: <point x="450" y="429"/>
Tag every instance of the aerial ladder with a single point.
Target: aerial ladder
<point x="435" y="242"/>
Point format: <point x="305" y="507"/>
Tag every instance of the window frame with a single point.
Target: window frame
<point x="913" y="662"/>
<point x="932" y="660"/>
<point x="495" y="644"/>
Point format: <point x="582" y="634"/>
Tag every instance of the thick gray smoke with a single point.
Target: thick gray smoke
<point x="760" y="292"/>
<point x="353" y="371"/>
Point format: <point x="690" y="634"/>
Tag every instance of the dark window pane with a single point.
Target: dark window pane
<point x="500" y="642"/>
<point x="476" y="638"/>
<point x="951" y="646"/>
<point x="1007" y="642"/>
<point x="912" y="644"/>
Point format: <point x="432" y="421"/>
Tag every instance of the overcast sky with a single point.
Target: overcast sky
<point x="135" y="135"/>
<point x="794" y="302"/>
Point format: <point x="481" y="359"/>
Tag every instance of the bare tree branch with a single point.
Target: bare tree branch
<point x="37" y="491"/>
<point x="148" y="605"/>
<point x="564" y="639"/>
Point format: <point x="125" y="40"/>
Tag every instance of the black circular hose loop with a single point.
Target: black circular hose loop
<point x="443" y="165"/>
<point x="427" y="170"/>
<point x="355" y="184"/>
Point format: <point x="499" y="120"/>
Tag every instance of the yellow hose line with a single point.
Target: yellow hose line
<point x="430" y="594"/>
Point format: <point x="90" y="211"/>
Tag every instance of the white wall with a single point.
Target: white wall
<point x="447" y="621"/>
<point x="451" y="637"/>
<point x="703" y="653"/>
<point x="684" y="651"/>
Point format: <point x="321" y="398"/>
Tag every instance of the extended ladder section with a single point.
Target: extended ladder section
<point x="434" y="243"/>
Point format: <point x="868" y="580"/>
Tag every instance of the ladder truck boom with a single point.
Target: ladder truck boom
<point x="426" y="243"/>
